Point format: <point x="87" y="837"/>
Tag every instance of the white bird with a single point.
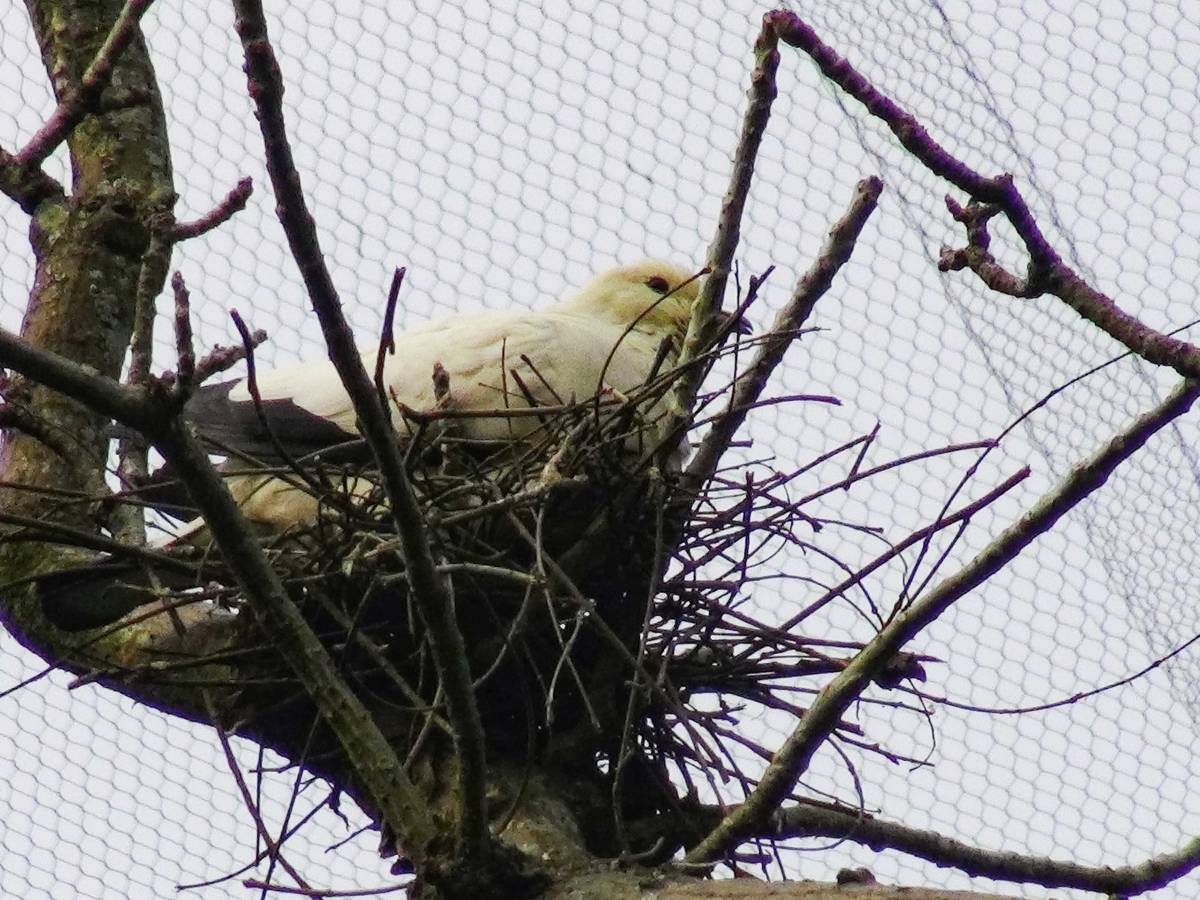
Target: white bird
<point x="608" y="335"/>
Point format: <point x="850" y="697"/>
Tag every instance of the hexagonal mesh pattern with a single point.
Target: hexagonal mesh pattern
<point x="504" y="151"/>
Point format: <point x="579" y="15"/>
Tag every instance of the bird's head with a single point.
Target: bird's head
<point x="655" y="295"/>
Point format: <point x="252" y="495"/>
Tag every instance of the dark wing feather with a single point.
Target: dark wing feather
<point x="234" y="427"/>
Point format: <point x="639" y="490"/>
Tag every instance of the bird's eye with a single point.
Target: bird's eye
<point x="658" y="284"/>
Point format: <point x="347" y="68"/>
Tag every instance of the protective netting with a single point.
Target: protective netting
<point x="503" y="152"/>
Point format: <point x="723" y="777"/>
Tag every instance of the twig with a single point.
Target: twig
<point x="264" y="833"/>
<point x="104" y="396"/>
<point x="313" y="483"/>
<point x="231" y="204"/>
<point x="83" y="99"/>
<point x="127" y="522"/>
<point x="429" y="591"/>
<point x="750" y="384"/>
<point x="812" y="821"/>
<point x="1077" y="697"/>
<point x="961" y="517"/>
<point x="1047" y="272"/>
<point x="185" y="348"/>
<point x="219" y="358"/>
<point x="792" y="759"/>
<point x="720" y="252"/>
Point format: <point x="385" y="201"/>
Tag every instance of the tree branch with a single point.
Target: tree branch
<point x="818" y="821"/>
<point x="792" y="759"/>
<point x="429" y="591"/>
<point x="231" y="204"/>
<point x="1047" y="270"/>
<point x="750" y="384"/>
<point x="83" y="98"/>
<point x="153" y="411"/>
<point x="703" y="322"/>
<point x="103" y="396"/>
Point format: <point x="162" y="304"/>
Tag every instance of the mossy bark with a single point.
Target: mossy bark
<point x="91" y="249"/>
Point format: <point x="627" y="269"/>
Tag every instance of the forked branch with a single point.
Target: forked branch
<point x="1047" y="272"/>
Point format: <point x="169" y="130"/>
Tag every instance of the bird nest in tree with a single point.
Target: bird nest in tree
<point x="602" y="599"/>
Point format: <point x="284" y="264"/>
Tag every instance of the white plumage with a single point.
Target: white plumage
<point x="608" y="335"/>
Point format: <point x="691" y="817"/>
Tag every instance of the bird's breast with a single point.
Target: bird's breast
<point x="521" y="362"/>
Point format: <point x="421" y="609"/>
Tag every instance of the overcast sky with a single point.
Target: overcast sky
<point x="504" y="151"/>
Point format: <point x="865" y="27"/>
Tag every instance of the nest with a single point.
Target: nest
<point x="603" y="606"/>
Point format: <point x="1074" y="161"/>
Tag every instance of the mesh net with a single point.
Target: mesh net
<point x="503" y="152"/>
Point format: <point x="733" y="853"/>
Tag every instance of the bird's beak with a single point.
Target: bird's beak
<point x="742" y="326"/>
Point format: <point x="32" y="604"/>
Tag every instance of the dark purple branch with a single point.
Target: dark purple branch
<point x="1047" y="271"/>
<point x="189" y="373"/>
<point x="387" y="339"/>
<point x="219" y="358"/>
<point x="999" y="191"/>
<point x="303" y="474"/>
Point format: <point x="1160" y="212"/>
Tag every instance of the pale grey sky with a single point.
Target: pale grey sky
<point x="504" y="151"/>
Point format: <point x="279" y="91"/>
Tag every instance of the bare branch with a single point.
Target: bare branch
<point x="977" y="257"/>
<point x="231" y="204"/>
<point x="818" y="821"/>
<point x="128" y="522"/>
<point x="429" y="591"/>
<point x="185" y="347"/>
<point x="79" y="102"/>
<point x="750" y="384"/>
<point x="387" y="339"/>
<point x="44" y="530"/>
<point x="961" y="517"/>
<point x="703" y="323"/>
<point x="126" y="405"/>
<point x="1047" y="270"/>
<point x="25" y="186"/>
<point x="149" y="409"/>
<point x="792" y="759"/>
